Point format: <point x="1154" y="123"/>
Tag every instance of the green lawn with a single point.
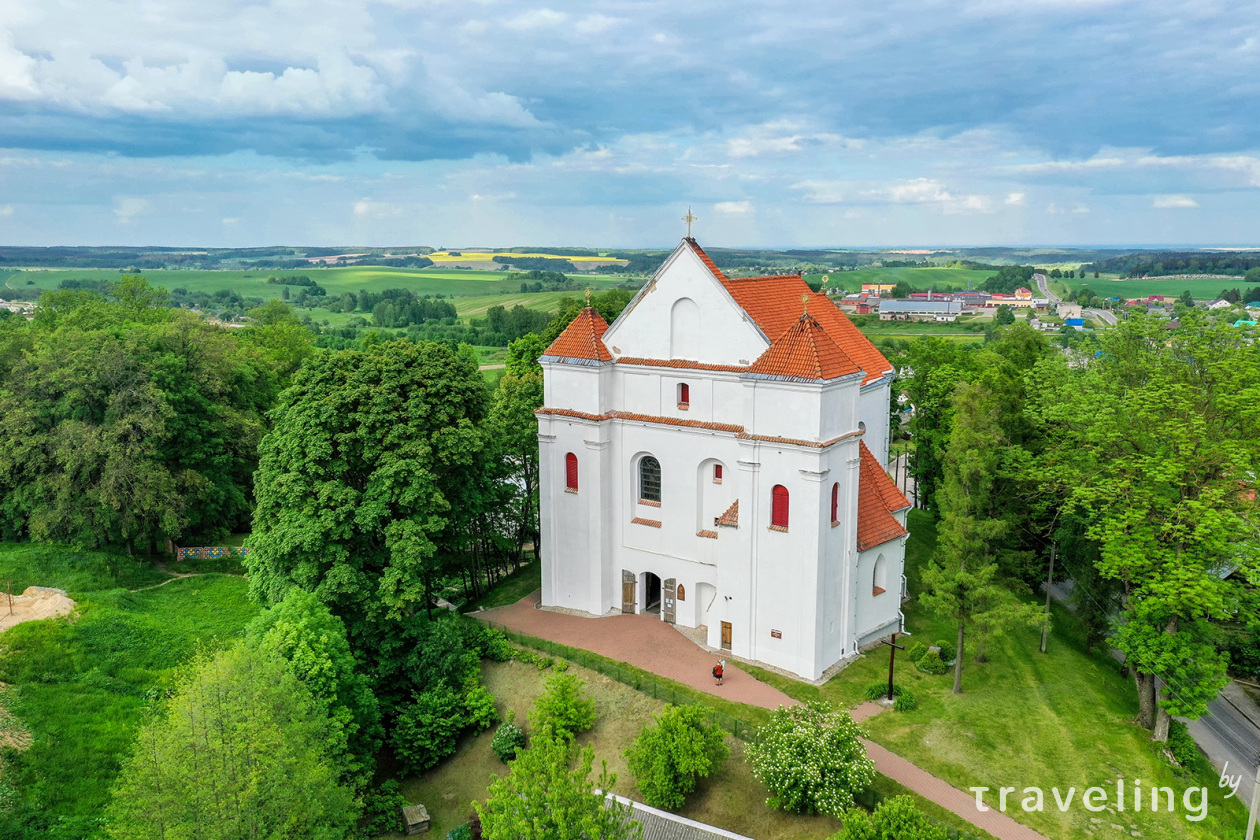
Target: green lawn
<point x="510" y="589"/>
<point x="732" y="798"/>
<point x="1025" y="719"/>
<point x="79" y="684"/>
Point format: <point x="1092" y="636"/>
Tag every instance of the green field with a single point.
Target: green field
<point x="1199" y="289"/>
<point x="337" y="281"/>
<point x="919" y="278"/>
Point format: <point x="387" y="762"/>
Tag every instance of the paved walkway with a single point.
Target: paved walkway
<point x="651" y="644"/>
<point x="942" y="793"/>
<point x="640" y="640"/>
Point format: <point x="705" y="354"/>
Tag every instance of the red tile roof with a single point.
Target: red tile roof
<point x="730" y="519"/>
<point x="679" y="363"/>
<point x="804" y="351"/>
<point x="878" y="499"/>
<point x="704" y="258"/>
<point x="774" y="303"/>
<point x="582" y="339"/>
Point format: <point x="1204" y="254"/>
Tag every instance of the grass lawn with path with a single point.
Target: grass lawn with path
<point x="78" y="684"/>
<point x="1025" y="719"/>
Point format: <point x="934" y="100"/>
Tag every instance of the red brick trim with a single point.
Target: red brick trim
<point x="878" y="591"/>
<point x="570" y="490"/>
<point x="781" y="528"/>
<point x="649" y="503"/>
<point x="651" y="523"/>
<point x="812" y="444"/>
<point x="641" y="418"/>
<point x="683" y="364"/>
<point x="709" y="535"/>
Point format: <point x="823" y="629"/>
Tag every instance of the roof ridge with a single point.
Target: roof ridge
<point x="582" y="338"/>
<point x="705" y="258"/>
<point x="799" y="353"/>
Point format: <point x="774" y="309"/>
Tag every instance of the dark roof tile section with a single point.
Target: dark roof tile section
<point x="878" y="499"/>
<point x="804" y="351"/>
<point x="582" y="339"/>
<point x="704" y="258"/>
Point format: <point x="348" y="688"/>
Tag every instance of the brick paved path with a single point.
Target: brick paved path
<point x="643" y="641"/>
<point x="649" y="643"/>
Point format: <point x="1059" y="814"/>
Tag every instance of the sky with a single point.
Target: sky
<point x="499" y="123"/>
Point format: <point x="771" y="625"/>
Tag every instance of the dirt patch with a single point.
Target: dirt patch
<point x="34" y="603"/>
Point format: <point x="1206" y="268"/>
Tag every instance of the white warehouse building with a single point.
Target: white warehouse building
<point x="715" y="458"/>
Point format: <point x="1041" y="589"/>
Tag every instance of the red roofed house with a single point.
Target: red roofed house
<point x="715" y="458"/>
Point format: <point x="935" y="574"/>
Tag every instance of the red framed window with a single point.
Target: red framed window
<point x="717" y="473"/>
<point x="835" y="503"/>
<point x="779" y="507"/>
<point x="570" y="472"/>
<point x="684" y="395"/>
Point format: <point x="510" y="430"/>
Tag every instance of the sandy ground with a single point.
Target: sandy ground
<point x="33" y="604"/>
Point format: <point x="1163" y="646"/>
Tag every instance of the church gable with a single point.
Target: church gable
<point x="685" y="313"/>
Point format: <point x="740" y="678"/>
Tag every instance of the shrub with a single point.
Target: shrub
<point x="916" y="651"/>
<point x="460" y="832"/>
<point x="562" y="709"/>
<point x="479" y="710"/>
<point x="905" y="702"/>
<point x="669" y="758"/>
<point x="1184" y="749"/>
<point x="811" y="759"/>
<point x="894" y="819"/>
<point x="508" y="740"/>
<point x="495" y="646"/>
<point x="931" y="664"/>
<point x="875" y="691"/>
<point x="382" y="810"/>
<point x="427" y="730"/>
<point x="561" y="665"/>
<point x="947" y="651"/>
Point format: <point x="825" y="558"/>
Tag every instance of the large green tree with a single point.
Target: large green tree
<point x="242" y="750"/>
<point x="370" y="480"/>
<point x="544" y="797"/>
<point x="960" y="581"/>
<point x="669" y="758"/>
<point x="124" y="422"/>
<point x="1156" y="444"/>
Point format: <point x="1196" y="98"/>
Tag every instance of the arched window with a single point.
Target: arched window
<point x="682" y="593"/>
<point x="570" y="473"/>
<point x="879" y="582"/>
<point x="835" y="503"/>
<point x="650" y="480"/>
<point x="779" y="507"/>
<point x="684" y="395"/>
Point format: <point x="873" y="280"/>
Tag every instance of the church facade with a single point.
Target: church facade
<point x="715" y="458"/>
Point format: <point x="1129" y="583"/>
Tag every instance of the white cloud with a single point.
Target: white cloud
<point x="597" y="23"/>
<point x="821" y="192"/>
<point x="231" y="220"/>
<point x="368" y="208"/>
<point x="913" y="191"/>
<point x="127" y="208"/>
<point x="6" y="210"/>
<point x="1015" y="199"/>
<point x="1169" y="202"/>
<point x="734" y="208"/>
<point x="536" y="19"/>
<point x="777" y="138"/>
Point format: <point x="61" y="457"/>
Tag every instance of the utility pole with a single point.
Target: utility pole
<point x="893" y="647"/>
<point x="1045" y="623"/>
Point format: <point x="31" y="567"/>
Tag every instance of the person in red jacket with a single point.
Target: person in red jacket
<point x="719" y="670"/>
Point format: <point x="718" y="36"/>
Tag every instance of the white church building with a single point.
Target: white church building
<point x="715" y="457"/>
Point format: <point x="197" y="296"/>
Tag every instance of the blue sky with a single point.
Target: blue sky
<point x="481" y="122"/>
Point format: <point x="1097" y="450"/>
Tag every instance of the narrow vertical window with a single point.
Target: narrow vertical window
<point x="650" y="480"/>
<point x="684" y="395"/>
<point x="717" y="473"/>
<point x="779" y="508"/>
<point x="835" y="503"/>
<point x="570" y="473"/>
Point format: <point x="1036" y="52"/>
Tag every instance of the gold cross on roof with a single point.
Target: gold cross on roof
<point x="689" y="219"/>
<point x="805" y="302"/>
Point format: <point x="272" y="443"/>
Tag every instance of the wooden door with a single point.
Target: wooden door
<point x="668" y="595"/>
<point x="627" y="592"/>
<point x="726" y="635"/>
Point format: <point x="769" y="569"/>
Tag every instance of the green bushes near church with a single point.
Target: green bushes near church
<point x="668" y="759"/>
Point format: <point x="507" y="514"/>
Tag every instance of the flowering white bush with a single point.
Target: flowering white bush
<point x="811" y="759"/>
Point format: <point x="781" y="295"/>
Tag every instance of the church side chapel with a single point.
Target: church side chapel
<point x="714" y="458"/>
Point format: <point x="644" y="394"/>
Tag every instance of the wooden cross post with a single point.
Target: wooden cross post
<point x="893" y="647"/>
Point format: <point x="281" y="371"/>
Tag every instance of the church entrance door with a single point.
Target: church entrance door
<point x="627" y="591"/>
<point x="670" y="606"/>
<point x="726" y="635"/>
<point x="651" y="593"/>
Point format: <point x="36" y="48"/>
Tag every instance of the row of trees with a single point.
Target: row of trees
<point x="1140" y="462"/>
